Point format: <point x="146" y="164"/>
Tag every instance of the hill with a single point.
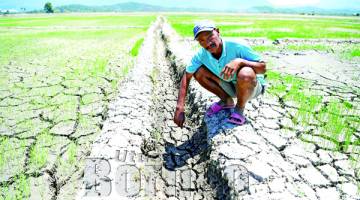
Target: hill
<point x="142" y="7"/>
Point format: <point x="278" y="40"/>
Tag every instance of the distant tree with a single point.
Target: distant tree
<point x="48" y="8"/>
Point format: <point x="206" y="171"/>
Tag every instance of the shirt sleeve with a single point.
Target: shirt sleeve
<point x="194" y="64"/>
<point x="247" y="53"/>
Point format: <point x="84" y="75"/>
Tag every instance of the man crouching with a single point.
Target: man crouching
<point x="227" y="69"/>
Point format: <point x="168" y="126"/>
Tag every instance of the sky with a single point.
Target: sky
<point x="212" y="4"/>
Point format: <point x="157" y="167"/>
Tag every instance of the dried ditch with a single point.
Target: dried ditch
<point x="142" y="154"/>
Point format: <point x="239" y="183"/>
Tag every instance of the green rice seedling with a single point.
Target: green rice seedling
<point x="72" y="153"/>
<point x="314" y="105"/>
<point x="279" y="89"/>
<point x="99" y="67"/>
<point x="355" y="52"/>
<point x="77" y="58"/>
<point x="335" y="127"/>
<point x="5" y="193"/>
<point x="315" y="102"/>
<point x="135" y="49"/>
<point x="258" y="25"/>
<point x="156" y="135"/>
<point x="114" y="83"/>
<point x="347" y="138"/>
<point x="348" y="105"/>
<point x="67" y="163"/>
<point x="4" y="151"/>
<point x="19" y="190"/>
<point x="322" y="115"/>
<point x="264" y="48"/>
<point x="125" y="70"/>
<point x="274" y="76"/>
<point x="40" y="150"/>
<point x="349" y="52"/>
<point x="307" y="47"/>
<point x="310" y="107"/>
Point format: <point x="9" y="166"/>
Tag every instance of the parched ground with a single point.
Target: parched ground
<point x="301" y="141"/>
<point x="278" y="154"/>
<point x="303" y="137"/>
<point x="56" y="81"/>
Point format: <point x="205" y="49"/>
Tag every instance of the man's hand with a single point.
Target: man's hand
<point x="231" y="68"/>
<point x="179" y="117"/>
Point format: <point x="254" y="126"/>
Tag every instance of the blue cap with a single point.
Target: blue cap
<point x="202" y="26"/>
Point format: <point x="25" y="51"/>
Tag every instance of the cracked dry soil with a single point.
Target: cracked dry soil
<point x="141" y="154"/>
<point x="140" y="142"/>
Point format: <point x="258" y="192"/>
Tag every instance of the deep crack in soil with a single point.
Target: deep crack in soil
<point x="160" y="160"/>
<point x="141" y="152"/>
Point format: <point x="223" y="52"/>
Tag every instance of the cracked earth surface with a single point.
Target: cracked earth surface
<point x="264" y="159"/>
<point x="49" y="116"/>
<point x="283" y="161"/>
<point x="140" y="153"/>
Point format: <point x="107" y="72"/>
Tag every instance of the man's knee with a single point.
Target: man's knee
<point x="246" y="74"/>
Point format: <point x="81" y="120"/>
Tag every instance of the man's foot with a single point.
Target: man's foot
<point x="217" y="107"/>
<point x="236" y="118"/>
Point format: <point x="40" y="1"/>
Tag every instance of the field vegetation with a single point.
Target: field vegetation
<point x="57" y="76"/>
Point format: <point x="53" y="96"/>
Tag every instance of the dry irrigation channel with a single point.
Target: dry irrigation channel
<point x="301" y="140"/>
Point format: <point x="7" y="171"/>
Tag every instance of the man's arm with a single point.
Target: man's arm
<point x="179" y="116"/>
<point x="238" y="63"/>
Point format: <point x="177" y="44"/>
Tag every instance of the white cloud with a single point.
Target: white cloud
<point x="293" y="2"/>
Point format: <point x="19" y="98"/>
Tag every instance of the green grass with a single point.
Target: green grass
<point x="72" y="153"/>
<point x="348" y="52"/>
<point x="306" y="47"/>
<point x="53" y="64"/>
<point x="5" y="147"/>
<point x="156" y="135"/>
<point x="272" y="27"/>
<point x="76" y="20"/>
<point x="336" y="119"/>
<point x="355" y="53"/>
<point x="351" y="52"/>
<point x="343" y="52"/>
<point x="264" y="48"/>
<point x="20" y="192"/>
<point x="135" y="49"/>
<point x="40" y="151"/>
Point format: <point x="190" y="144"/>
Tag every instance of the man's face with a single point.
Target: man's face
<point x="210" y="40"/>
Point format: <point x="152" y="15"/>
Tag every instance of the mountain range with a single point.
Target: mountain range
<point x="142" y="7"/>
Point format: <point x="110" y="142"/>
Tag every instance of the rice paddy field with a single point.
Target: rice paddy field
<point x="58" y="74"/>
<point x="275" y="27"/>
<point x="301" y="35"/>
<point x="312" y="73"/>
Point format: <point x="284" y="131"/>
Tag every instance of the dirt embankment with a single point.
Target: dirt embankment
<point x="141" y="152"/>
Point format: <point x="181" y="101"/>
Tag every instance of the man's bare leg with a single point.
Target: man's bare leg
<point x="212" y="83"/>
<point x="246" y="82"/>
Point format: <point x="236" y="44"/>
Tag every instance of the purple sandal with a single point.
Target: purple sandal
<point x="216" y="107"/>
<point x="236" y="118"/>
